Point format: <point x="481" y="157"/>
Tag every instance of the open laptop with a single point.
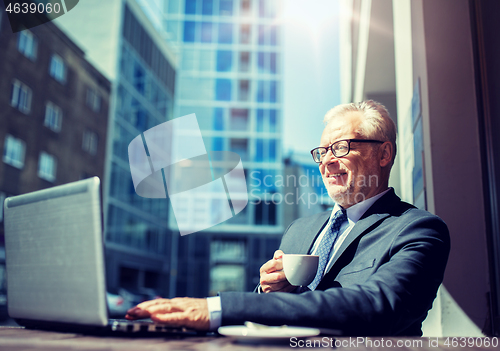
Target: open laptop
<point x="55" y="261"/>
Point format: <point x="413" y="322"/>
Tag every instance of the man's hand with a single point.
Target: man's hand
<point x="272" y="276"/>
<point x="179" y="312"/>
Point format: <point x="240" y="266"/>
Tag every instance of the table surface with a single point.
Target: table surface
<point x="18" y="338"/>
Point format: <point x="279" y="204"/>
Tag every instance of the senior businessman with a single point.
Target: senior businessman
<point x="381" y="259"/>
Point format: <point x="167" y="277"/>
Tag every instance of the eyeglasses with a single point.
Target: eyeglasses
<point x="339" y="148"/>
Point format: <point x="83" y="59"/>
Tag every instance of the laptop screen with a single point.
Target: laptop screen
<point x="54" y="255"/>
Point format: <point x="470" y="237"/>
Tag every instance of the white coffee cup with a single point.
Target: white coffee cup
<point x="300" y="270"/>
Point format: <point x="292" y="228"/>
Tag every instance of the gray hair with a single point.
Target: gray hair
<point x="377" y="123"/>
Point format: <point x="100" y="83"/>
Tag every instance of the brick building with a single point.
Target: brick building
<point x="53" y="111"/>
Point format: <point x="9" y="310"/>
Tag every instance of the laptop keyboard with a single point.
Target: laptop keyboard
<point x="145" y="326"/>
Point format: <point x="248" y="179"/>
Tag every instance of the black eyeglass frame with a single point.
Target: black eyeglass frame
<point x="330" y="147"/>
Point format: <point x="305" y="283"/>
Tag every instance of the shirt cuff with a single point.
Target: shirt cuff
<point x="215" y="312"/>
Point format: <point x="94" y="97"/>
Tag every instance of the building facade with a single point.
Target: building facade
<point x="54" y="111"/>
<point x="230" y="76"/>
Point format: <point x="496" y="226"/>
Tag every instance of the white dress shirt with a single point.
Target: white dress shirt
<point x="354" y="213"/>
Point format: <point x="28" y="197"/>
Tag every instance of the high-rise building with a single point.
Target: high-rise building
<point x="121" y="41"/>
<point x="230" y="76"/>
<point x="303" y="187"/>
<point x="229" y="56"/>
<point x="53" y="111"/>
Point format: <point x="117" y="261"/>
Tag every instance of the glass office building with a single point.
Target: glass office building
<point x="230" y="76"/>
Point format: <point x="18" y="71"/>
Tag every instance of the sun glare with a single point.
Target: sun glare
<point x="313" y="16"/>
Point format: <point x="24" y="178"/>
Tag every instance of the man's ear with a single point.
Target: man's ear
<point x="386" y="152"/>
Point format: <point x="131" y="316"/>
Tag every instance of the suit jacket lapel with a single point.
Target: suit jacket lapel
<point x="377" y="212"/>
<point x="362" y="226"/>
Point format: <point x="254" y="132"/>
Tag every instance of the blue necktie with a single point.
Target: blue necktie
<point x="326" y="245"/>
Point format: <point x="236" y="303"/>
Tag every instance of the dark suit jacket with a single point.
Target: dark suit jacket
<point x="383" y="280"/>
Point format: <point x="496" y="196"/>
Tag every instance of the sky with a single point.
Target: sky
<point x="311" y="71"/>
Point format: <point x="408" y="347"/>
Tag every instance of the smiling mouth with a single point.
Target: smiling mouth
<point x="333" y="175"/>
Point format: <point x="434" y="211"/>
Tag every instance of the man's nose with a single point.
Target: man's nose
<point x="329" y="158"/>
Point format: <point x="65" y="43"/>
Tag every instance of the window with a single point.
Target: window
<point x="189" y="59"/>
<point x="266" y="120"/>
<point x="244" y="61"/>
<point x="240" y="146"/>
<point x="89" y="143"/>
<point x="57" y="68"/>
<point x="225" y="33"/>
<point x="272" y="62"/>
<point x="262" y="35"/>
<point x="267" y="91"/>
<point x="272" y="91"/>
<point x="47" y="165"/>
<point x="273" y="35"/>
<point x="207" y="60"/>
<point x="218" y="118"/>
<point x="207" y="7"/>
<point x="198" y="60"/>
<point x="173" y="6"/>
<point x="195" y="88"/>
<point x="228" y="271"/>
<point x="244" y="90"/>
<point x="265" y="150"/>
<point x="139" y="80"/>
<point x="27" y="44"/>
<point x="272" y="150"/>
<point x="245" y="34"/>
<point x="53" y="117"/>
<point x="259" y="152"/>
<point x="266" y="62"/>
<point x="190" y="7"/>
<point x="224" y="60"/>
<point x="223" y="89"/>
<point x="93" y="100"/>
<point x="272" y="121"/>
<point x="265" y="213"/>
<point x="206" y="32"/>
<point x="246" y="7"/>
<point x="218" y="144"/>
<point x="267" y="8"/>
<point x="174" y="30"/>
<point x="227" y="277"/>
<point x="13" y="151"/>
<point x="268" y="35"/>
<point x="189" y="31"/>
<point x="262" y="8"/>
<point x="239" y="119"/>
<point x="261" y="90"/>
<point x="260" y="120"/>
<point x="21" y="97"/>
<point x="263" y="180"/>
<point x="261" y="62"/>
<point x="226" y="7"/>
